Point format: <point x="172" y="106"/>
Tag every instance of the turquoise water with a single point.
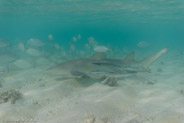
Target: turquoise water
<point x="37" y="35"/>
<point x="121" y="22"/>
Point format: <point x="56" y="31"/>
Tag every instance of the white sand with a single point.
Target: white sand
<point x="155" y="97"/>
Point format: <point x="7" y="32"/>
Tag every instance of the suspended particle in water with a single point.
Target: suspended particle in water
<point x="74" y="39"/>
<point x="72" y="47"/>
<point x="50" y="37"/>
<point x="87" y="47"/>
<point x="92" y="41"/>
<point x="56" y="46"/>
<point x="79" y="36"/>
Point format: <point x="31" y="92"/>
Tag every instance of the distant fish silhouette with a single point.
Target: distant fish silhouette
<point x="4" y="43"/>
<point x="142" y="44"/>
<point x="35" y="42"/>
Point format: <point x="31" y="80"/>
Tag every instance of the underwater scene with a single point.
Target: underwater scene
<point x="91" y="61"/>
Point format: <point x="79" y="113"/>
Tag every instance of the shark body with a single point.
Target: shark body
<point x="99" y="64"/>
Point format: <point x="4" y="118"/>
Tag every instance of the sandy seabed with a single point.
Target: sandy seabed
<point x="155" y="97"/>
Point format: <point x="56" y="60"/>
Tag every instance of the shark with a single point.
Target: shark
<point x="99" y="64"/>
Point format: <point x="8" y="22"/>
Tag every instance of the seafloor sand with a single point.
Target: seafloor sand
<point x="156" y="97"/>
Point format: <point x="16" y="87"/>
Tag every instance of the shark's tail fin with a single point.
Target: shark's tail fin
<point x="145" y="63"/>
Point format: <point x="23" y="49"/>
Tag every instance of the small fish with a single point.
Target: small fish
<point x="100" y="49"/>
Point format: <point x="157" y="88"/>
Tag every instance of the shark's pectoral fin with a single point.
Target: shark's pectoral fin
<point x="111" y="81"/>
<point x="78" y="73"/>
<point x="145" y="63"/>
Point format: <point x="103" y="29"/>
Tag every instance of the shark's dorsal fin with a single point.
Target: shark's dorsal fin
<point x="99" y="55"/>
<point x="129" y="57"/>
<point x="145" y="63"/>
